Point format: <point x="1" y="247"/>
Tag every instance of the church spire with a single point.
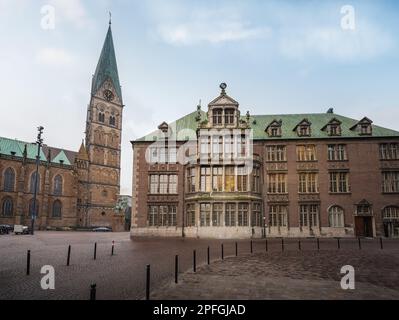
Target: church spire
<point x="107" y="67"/>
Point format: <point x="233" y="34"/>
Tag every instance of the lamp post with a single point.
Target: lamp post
<point x="39" y="143"/>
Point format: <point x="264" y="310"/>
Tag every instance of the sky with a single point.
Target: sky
<point x="275" y="56"/>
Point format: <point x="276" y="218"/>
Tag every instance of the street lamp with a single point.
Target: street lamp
<point x="39" y="143"/>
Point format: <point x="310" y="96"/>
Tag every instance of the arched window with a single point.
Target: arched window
<point x="57" y="209"/>
<point x="101" y="117"/>
<point x="9" y="180"/>
<point x="336" y="217"/>
<point x="58" y="185"/>
<point x="7" y="208"/>
<point x="33" y="182"/>
<point x="112" y="121"/>
<point x="31" y="208"/>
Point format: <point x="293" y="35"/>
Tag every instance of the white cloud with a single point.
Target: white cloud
<point x="71" y="11"/>
<point x="54" y="57"/>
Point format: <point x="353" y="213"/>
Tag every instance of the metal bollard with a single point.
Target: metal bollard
<point x="113" y="246"/>
<point x="176" y="269"/>
<point x="148" y="280"/>
<point x="318" y="244"/>
<point x="381" y="244"/>
<point x="93" y="290"/>
<point x="95" y="251"/>
<point x="69" y="256"/>
<point x="236" y="249"/>
<point x="209" y="256"/>
<point x="299" y="245"/>
<point x="194" y="261"/>
<point x="28" y="263"/>
<point x="222" y="252"/>
<point x="360" y="244"/>
<point x="338" y="244"/>
<point x="282" y="244"/>
<point x="252" y="249"/>
<point x="267" y="248"/>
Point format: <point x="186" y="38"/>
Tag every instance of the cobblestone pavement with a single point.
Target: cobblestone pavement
<point x="122" y="276"/>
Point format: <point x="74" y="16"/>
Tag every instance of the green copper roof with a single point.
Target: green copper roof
<point x="61" y="157"/>
<point x="107" y="67"/>
<point x="9" y="146"/>
<point x="289" y="122"/>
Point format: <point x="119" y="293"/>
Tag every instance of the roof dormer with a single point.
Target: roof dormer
<point x="303" y="129"/>
<point x="223" y="111"/>
<point x="274" y="129"/>
<point x="363" y="127"/>
<point x="333" y="127"/>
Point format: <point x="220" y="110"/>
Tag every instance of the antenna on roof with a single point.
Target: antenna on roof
<point x="110" y="18"/>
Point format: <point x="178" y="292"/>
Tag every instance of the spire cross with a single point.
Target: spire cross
<point x="110" y="18"/>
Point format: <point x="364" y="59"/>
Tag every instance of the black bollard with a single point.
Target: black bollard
<point x="282" y="244"/>
<point x="95" y="251"/>
<point x="176" y="269"/>
<point x="69" y="255"/>
<point x="28" y="263"/>
<point x="299" y="245"/>
<point x="267" y="249"/>
<point x="93" y="290"/>
<point x="222" y="252"/>
<point x="148" y="280"/>
<point x="194" y="261"/>
<point x="318" y="244"/>
<point x="112" y="250"/>
<point x="360" y="244"/>
<point x="236" y="249"/>
<point x="381" y="244"/>
<point x="338" y="244"/>
<point x="209" y="255"/>
<point x="252" y="249"/>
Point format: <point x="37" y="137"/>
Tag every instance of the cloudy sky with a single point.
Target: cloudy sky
<point x="275" y="56"/>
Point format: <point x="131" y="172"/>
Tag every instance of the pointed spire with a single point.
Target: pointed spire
<point x="107" y="67"/>
<point x="82" y="154"/>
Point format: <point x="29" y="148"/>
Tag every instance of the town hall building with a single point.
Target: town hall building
<point x="75" y="189"/>
<point x="221" y="174"/>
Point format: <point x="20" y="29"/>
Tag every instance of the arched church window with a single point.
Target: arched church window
<point x="9" y="180"/>
<point x="58" y="185"/>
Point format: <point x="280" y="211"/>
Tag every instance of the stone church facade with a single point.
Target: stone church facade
<point x="75" y="189"/>
<point x="220" y="174"/>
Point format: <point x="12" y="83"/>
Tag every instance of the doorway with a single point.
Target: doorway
<point x="364" y="227"/>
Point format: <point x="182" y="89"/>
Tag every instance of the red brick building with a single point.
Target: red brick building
<point x="75" y="189"/>
<point x="220" y="174"/>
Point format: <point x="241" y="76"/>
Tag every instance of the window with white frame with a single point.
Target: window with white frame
<point x="390" y="182"/>
<point x="336" y="217"/>
<point x="309" y="215"/>
<point x="278" y="215"/>
<point x="243" y="214"/>
<point x="217" y="214"/>
<point x="230" y="215"/>
<point x="205" y="214"/>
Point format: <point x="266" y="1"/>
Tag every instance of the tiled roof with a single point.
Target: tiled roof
<point x="10" y="146"/>
<point x="107" y="67"/>
<point x="259" y="123"/>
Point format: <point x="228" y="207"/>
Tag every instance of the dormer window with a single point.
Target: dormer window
<point x="273" y="130"/>
<point x="333" y="128"/>
<point x="217" y="117"/>
<point x="229" y="116"/>
<point x="303" y="128"/>
<point x="364" y="127"/>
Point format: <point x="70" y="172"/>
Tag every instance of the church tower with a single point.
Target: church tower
<point x="103" y="141"/>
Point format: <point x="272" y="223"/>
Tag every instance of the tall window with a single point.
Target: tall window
<point x="277" y="183"/>
<point x="190" y="215"/>
<point x="204" y="146"/>
<point x="229" y="116"/>
<point x="58" y="185"/>
<point x="230" y="215"/>
<point x="163" y="184"/>
<point x="336" y="217"/>
<point x="217" y="214"/>
<point x="256" y="219"/>
<point x="153" y="216"/>
<point x="57" y="209"/>
<point x="206" y="179"/>
<point x="218" y="116"/>
<point x="337" y="152"/>
<point x="191" y="179"/>
<point x="101" y="117"/>
<point x="154" y="183"/>
<point x="205" y="214"/>
<point x="163" y="216"/>
<point x="217" y="179"/>
<point x="8" y="207"/>
<point x="278" y="216"/>
<point x="228" y="146"/>
<point x="390" y="182"/>
<point x="243" y="214"/>
<point x="9" y="180"/>
<point x="172" y="216"/>
<point x="308" y="183"/>
<point x="242" y="179"/>
<point x="390" y="213"/>
<point x="229" y="179"/>
<point x="256" y="179"/>
<point x="309" y="215"/>
<point x="33" y="184"/>
<point x="35" y="212"/>
<point x="276" y="153"/>
<point x="241" y="146"/>
<point x="306" y="153"/>
<point x="339" y="182"/>
<point x="389" y="151"/>
<point x="173" y="184"/>
<point x="217" y="147"/>
<point x="112" y="121"/>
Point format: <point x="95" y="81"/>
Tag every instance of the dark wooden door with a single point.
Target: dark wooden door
<point x="364" y="226"/>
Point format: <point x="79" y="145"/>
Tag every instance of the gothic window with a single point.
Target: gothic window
<point x="336" y="217"/>
<point x="8" y="207"/>
<point x="101" y="117"/>
<point x="57" y="209"/>
<point x="31" y="210"/>
<point x="33" y="183"/>
<point x="58" y="185"/>
<point x="112" y="121"/>
<point x="9" y="180"/>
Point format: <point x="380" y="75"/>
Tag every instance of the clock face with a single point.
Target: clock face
<point x="108" y="95"/>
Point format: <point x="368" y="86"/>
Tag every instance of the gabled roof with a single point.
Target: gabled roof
<point x="332" y="121"/>
<point x="107" y="68"/>
<point x="274" y="123"/>
<point x="289" y="122"/>
<point x="61" y="158"/>
<point x="305" y="122"/>
<point x="364" y="120"/>
<point x="223" y="100"/>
